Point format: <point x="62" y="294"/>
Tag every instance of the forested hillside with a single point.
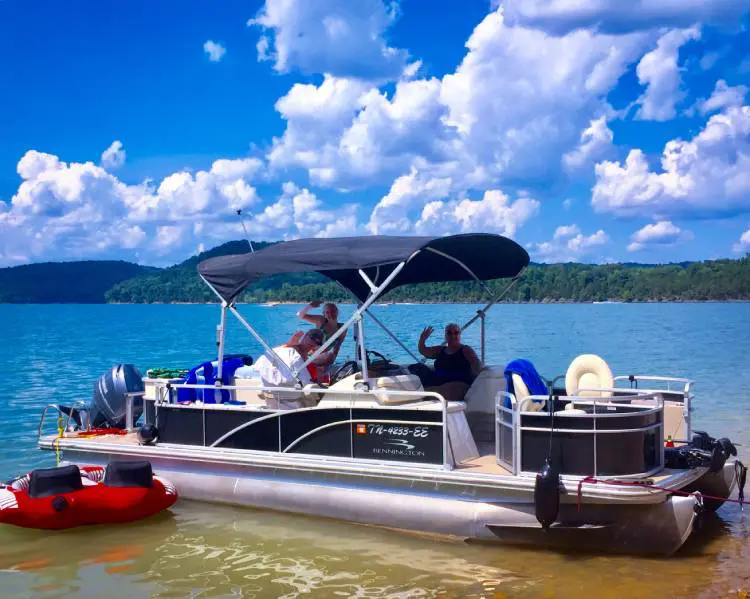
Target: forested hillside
<point x="83" y="282"/>
<point x="698" y="281"/>
<point x="123" y="282"/>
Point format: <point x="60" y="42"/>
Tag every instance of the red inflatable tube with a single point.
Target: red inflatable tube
<point x="95" y="503"/>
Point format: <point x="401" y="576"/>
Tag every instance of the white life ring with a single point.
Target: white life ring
<point x="589" y="371"/>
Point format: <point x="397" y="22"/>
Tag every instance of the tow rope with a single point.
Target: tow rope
<point x="740" y="470"/>
<point x="60" y="433"/>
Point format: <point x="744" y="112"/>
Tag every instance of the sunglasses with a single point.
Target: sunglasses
<point x="452" y="333"/>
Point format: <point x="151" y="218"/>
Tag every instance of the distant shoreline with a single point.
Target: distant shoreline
<point x="387" y="304"/>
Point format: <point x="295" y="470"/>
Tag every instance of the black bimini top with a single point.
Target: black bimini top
<point x="466" y="257"/>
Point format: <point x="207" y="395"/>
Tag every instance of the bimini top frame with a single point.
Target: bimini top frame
<point x="368" y="267"/>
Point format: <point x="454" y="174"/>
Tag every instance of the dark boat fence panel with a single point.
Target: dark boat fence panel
<point x="355" y="427"/>
<point x="595" y="436"/>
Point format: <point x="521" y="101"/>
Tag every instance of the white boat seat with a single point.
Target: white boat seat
<point x="586" y="372"/>
<point x="523" y="397"/>
<point x="380" y="387"/>
<point x="399" y="382"/>
<point x="251" y="393"/>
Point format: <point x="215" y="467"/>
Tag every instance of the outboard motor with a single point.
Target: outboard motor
<point x="547" y="495"/>
<point x="109" y="401"/>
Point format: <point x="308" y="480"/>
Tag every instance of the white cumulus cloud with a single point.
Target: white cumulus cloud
<point x="569" y="244"/>
<point x="616" y="16"/>
<point x="596" y="140"/>
<point x="495" y="212"/>
<point x="517" y="103"/>
<point x="348" y="134"/>
<point x="299" y="213"/>
<point x="743" y="245"/>
<point x="723" y="97"/>
<point x="661" y="233"/>
<point x="214" y="50"/>
<point x="337" y="37"/>
<point x="660" y="72"/>
<point x="72" y="210"/>
<point x="114" y="156"/>
<point x="705" y="176"/>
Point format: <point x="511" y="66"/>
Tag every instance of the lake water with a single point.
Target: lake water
<point x="55" y="353"/>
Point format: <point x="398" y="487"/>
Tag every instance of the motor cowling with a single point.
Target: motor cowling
<point x="108" y="405"/>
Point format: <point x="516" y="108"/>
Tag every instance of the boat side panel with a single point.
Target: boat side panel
<point x="616" y="454"/>
<point x="180" y="426"/>
<point x="384" y="434"/>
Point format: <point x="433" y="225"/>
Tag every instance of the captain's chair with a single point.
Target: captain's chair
<point x="589" y="376"/>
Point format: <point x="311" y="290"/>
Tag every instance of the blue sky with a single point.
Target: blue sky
<point x="585" y="131"/>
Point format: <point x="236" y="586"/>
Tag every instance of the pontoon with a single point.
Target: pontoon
<point x="581" y="466"/>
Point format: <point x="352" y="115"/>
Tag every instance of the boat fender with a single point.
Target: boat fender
<point x="147" y="434"/>
<point x="547" y="495"/>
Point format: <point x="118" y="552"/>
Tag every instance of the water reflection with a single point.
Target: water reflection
<point x="213" y="551"/>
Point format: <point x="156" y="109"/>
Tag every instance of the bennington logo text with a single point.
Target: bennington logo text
<point x="402" y="447"/>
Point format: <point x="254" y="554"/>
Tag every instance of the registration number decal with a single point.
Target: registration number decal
<point x="396" y="430"/>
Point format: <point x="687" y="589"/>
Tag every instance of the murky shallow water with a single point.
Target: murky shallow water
<point x="199" y="550"/>
<point x="202" y="550"/>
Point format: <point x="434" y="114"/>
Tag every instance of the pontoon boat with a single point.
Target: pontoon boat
<point x="582" y="465"/>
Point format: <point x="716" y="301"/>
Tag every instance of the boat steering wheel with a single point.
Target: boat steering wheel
<point x="375" y="360"/>
<point x="380" y="363"/>
<point x="346" y="369"/>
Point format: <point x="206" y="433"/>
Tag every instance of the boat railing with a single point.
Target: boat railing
<point x="277" y="396"/>
<point x="675" y="390"/>
<point x="64" y="415"/>
<point x="590" y="421"/>
<point x="667" y="384"/>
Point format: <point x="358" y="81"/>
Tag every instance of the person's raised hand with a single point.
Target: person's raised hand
<point x="315" y="303"/>
<point x="296" y="338"/>
<point x="426" y="332"/>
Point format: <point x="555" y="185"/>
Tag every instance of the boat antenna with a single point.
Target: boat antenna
<point x="242" y="222"/>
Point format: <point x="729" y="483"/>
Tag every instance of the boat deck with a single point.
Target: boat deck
<point x="126" y="439"/>
<point x="485" y="463"/>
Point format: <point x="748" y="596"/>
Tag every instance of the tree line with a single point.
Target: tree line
<point x="123" y="282"/>
<point x="717" y="280"/>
